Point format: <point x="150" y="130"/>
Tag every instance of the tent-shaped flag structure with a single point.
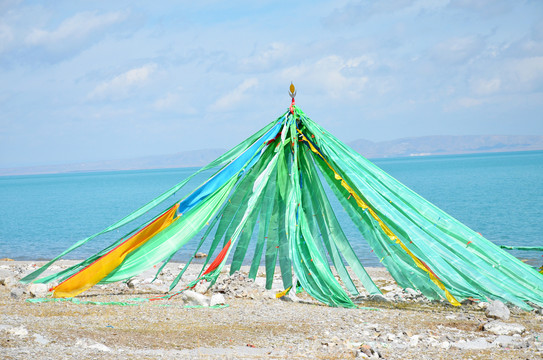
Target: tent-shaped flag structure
<point x="271" y="184"/>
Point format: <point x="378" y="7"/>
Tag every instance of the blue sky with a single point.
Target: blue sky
<point x="98" y="80"/>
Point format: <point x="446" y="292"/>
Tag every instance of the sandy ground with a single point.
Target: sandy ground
<point x="254" y="325"/>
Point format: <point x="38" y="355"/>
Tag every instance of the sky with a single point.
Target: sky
<point x="99" y="80"/>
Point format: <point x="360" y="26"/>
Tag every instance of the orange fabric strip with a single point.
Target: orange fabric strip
<point x="92" y="274"/>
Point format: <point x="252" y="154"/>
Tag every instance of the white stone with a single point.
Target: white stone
<point x="193" y="298"/>
<point x="500" y="328"/>
<point x="504" y="341"/>
<point x="18" y="331"/>
<point x="362" y="355"/>
<point x="445" y="345"/>
<point x="9" y="282"/>
<point x="100" y="347"/>
<point x="201" y="287"/>
<point x="132" y="283"/>
<point x="90" y="344"/>
<point x="497" y="310"/>
<point x="16" y="292"/>
<point x="38" y="290"/>
<point x="414" y="341"/>
<point x="4" y="274"/>
<point x="217" y="299"/>
<point x="260" y="281"/>
<point x="377" y="298"/>
<point x="477" y="344"/>
<point x="411" y="291"/>
<point x="40" y="339"/>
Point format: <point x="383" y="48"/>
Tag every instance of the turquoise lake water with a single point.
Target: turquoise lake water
<point x="499" y="195"/>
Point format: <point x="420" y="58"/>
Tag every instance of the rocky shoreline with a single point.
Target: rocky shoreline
<point x="239" y="319"/>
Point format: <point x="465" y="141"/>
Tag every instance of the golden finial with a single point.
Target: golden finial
<point x="292" y="91"/>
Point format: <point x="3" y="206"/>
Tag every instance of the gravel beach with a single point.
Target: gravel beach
<point x="246" y="321"/>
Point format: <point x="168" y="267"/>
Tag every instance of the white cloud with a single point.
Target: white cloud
<point x="458" y="49"/>
<point x="166" y="102"/>
<point x="486" y="86"/>
<point x="486" y="7"/>
<point x="510" y="76"/>
<point x="334" y="75"/>
<point x="235" y="96"/>
<point x="174" y="102"/>
<point x="527" y="73"/>
<point x="263" y="60"/>
<point x="75" y="28"/>
<point x="7" y="5"/>
<point x="357" y="12"/>
<point x="6" y="36"/>
<point x="469" y="102"/>
<point x="504" y="80"/>
<point x="121" y="84"/>
<point x="381" y="70"/>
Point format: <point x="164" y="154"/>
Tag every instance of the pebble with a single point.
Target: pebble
<point x="366" y="351"/>
<point x="377" y="298"/>
<point x="238" y="285"/>
<point x="38" y="290"/>
<point x="4" y="274"/>
<point x="497" y="310"/>
<point x="132" y="283"/>
<point x="90" y="344"/>
<point x="482" y="305"/>
<point x="504" y="341"/>
<point x="414" y="340"/>
<point x="389" y="288"/>
<point x="9" y="282"/>
<point x="19" y="331"/>
<point x="500" y="328"/>
<point x="192" y="298"/>
<point x="40" y="339"/>
<point x="217" y="299"/>
<point x="201" y="287"/>
<point x="16" y="292"/>
<point x="348" y="333"/>
<point x="477" y="344"/>
<point x="412" y="292"/>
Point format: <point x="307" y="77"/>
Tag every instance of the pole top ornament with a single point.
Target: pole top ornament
<point x="292" y="93"/>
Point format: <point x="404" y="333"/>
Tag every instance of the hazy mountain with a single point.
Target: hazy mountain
<point x="192" y="158"/>
<point x="445" y="145"/>
<point x="415" y="146"/>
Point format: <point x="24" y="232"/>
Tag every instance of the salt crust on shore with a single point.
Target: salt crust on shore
<point x="255" y="325"/>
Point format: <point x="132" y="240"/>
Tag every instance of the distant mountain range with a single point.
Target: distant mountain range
<point x="193" y="158"/>
<point x="446" y="145"/>
<point x="414" y="146"/>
